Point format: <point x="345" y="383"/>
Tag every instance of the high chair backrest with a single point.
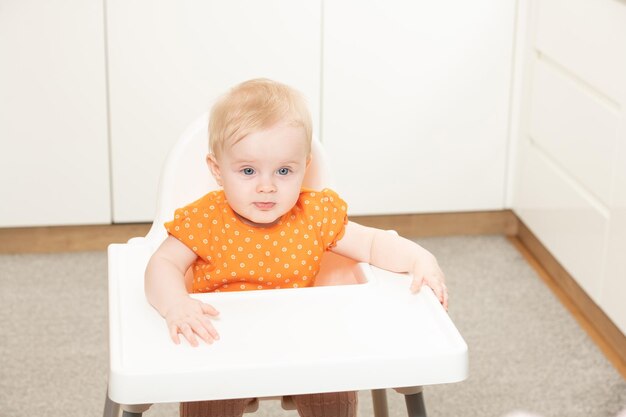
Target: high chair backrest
<point x="186" y="177"/>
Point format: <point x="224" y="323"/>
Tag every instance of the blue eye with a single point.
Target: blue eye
<point x="247" y="171"/>
<point x="283" y="171"/>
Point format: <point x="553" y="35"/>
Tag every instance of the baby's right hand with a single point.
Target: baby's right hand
<point x="191" y="317"/>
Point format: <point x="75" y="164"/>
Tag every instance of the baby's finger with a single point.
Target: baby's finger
<point x="198" y="327"/>
<point x="209" y="327"/>
<point x="186" y="330"/>
<point x="416" y="284"/>
<point x="441" y="292"/>
<point x="173" y="329"/>
<point x="445" y="297"/>
<point x="209" y="309"/>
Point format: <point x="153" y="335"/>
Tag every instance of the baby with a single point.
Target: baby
<point x="262" y="230"/>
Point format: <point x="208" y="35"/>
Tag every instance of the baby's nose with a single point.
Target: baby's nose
<point x="266" y="186"/>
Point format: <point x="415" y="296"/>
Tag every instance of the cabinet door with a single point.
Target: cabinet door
<point x="571" y="162"/>
<point x="53" y="129"/>
<point x="168" y="61"/>
<point x="416" y="103"/>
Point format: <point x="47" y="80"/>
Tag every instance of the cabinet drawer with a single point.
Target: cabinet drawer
<point x="588" y="37"/>
<point x="570" y="222"/>
<point x="574" y="126"/>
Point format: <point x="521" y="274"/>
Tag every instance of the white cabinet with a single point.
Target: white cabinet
<point x="416" y="102"/>
<point x="415" y="97"/>
<point x="54" y="155"/>
<point x="571" y="172"/>
<point x="413" y="110"/>
<point x="168" y="61"/>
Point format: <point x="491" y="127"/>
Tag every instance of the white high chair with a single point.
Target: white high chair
<point x="371" y="335"/>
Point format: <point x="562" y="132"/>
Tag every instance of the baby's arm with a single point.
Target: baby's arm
<point x="166" y="291"/>
<point x="393" y="253"/>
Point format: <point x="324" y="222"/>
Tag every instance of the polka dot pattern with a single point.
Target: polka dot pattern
<point x="233" y="256"/>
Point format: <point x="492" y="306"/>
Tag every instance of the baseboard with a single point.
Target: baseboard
<point x="67" y="238"/>
<point x="500" y="222"/>
<point x="504" y="222"/>
<point x="91" y="238"/>
<point x="591" y="318"/>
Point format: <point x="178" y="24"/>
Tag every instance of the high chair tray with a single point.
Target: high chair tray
<point x="280" y="342"/>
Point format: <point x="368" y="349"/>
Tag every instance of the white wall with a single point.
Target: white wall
<point x="570" y="178"/>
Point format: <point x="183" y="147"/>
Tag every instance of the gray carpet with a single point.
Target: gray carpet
<point x="526" y="351"/>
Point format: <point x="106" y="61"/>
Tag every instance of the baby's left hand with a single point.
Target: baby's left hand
<point x="427" y="271"/>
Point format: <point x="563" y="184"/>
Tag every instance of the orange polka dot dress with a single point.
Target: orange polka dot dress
<point x="233" y="256"/>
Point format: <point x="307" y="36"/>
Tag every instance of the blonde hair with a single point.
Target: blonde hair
<point x="252" y="106"/>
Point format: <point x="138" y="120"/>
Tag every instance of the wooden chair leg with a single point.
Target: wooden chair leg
<point x="379" y="399"/>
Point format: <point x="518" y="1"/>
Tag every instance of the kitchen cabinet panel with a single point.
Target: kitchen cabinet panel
<point x="576" y="128"/>
<point x="168" y="62"/>
<point x="53" y="121"/>
<point x="565" y="218"/>
<point x="416" y="102"/>
<point x="588" y="38"/>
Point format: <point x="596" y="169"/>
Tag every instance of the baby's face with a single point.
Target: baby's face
<point x="262" y="174"/>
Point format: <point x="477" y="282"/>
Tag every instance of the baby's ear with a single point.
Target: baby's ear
<point x="214" y="168"/>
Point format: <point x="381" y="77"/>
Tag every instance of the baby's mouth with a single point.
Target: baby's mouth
<point x="264" y="206"/>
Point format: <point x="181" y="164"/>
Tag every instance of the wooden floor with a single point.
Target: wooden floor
<point x="590" y="317"/>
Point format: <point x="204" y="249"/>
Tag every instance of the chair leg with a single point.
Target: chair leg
<point x="379" y="399"/>
<point x="415" y="405"/>
<point x="111" y="409"/>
